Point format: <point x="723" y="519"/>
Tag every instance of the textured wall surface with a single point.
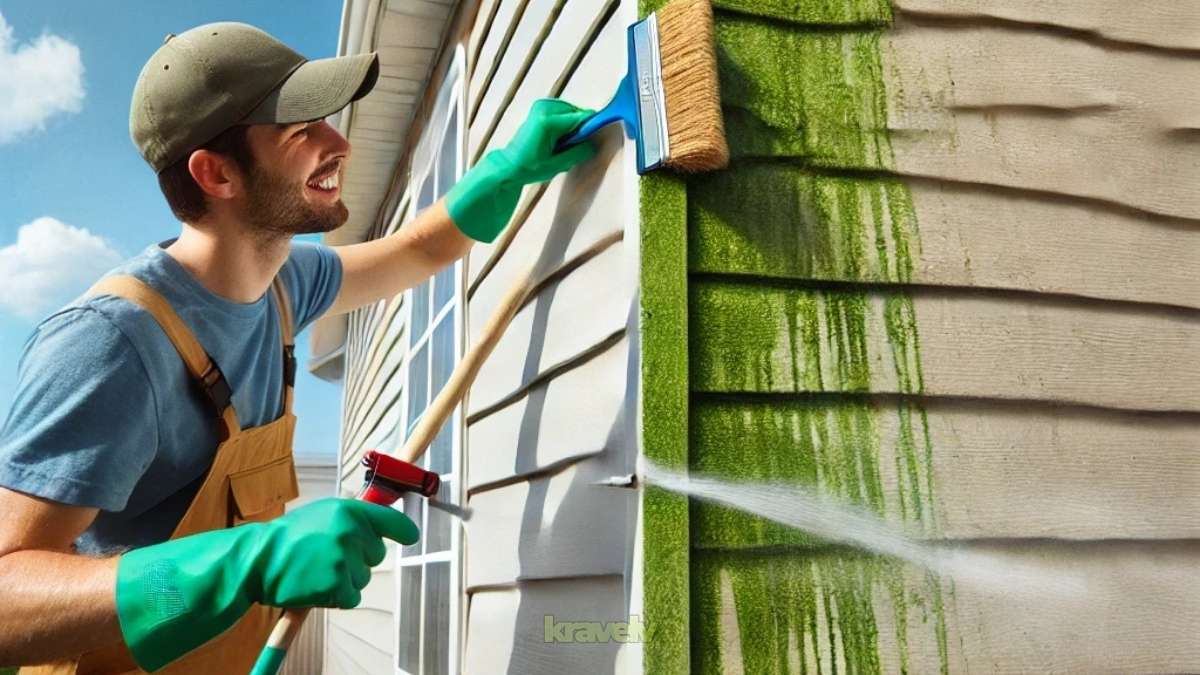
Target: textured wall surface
<point x="919" y="288"/>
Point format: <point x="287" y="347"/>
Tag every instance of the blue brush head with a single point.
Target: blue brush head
<point x="639" y="102"/>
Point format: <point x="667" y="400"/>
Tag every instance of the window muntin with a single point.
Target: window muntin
<point x="428" y="592"/>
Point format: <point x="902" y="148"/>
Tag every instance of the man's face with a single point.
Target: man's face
<point x="294" y="185"/>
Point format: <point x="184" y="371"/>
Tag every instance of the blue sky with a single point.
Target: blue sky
<point x="69" y="166"/>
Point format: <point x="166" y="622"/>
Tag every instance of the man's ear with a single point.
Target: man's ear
<point x="216" y="174"/>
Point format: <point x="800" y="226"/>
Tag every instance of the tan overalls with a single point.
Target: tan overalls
<point x="251" y="479"/>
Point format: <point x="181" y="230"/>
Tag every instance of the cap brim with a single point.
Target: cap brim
<point x="317" y="89"/>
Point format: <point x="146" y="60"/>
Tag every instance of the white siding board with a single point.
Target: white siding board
<point x="371" y="408"/>
<point x="550" y="526"/>
<point x="576" y="414"/>
<point x="363" y="323"/>
<point x="1017" y="241"/>
<point x="507" y="627"/>
<point x="1039" y="472"/>
<point x="570" y="217"/>
<point x="1140" y="611"/>
<point x="586" y="88"/>
<point x="1032" y="110"/>
<point x="503" y="25"/>
<point x="369" y="627"/>
<point x="566" y="318"/>
<point x="999" y="471"/>
<point x="346" y="655"/>
<point x="536" y="21"/>
<point x="591" y="85"/>
<point x="986" y="346"/>
<point x="479" y="31"/>
<point x="1155" y="23"/>
<point x="384" y="354"/>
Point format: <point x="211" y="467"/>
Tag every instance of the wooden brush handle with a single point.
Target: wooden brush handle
<point x="435" y="416"/>
<point x="464" y="373"/>
<point x="287" y="628"/>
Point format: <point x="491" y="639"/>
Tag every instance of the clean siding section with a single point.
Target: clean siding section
<point x="550" y="412"/>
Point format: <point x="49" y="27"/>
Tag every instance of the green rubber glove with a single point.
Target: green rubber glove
<point x="482" y="202"/>
<point x="175" y="596"/>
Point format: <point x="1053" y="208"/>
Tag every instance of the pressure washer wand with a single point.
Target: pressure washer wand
<point x="419" y="440"/>
<point x="387" y="480"/>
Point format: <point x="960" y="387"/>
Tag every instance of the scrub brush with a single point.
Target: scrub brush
<point x="670" y="99"/>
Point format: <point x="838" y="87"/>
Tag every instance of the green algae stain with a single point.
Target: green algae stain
<point x="849" y="13"/>
<point x="789" y="91"/>
<point x="807" y="198"/>
<point x="784" y="221"/>
<point x="752" y="337"/>
<point x="663" y="339"/>
<point x="828" y="625"/>
<point x="830" y="445"/>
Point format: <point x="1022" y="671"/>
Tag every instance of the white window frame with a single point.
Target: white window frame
<point x="450" y="97"/>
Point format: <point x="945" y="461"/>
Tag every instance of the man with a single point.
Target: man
<point x="154" y="412"/>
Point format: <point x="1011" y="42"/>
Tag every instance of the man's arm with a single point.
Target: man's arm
<point x="56" y="604"/>
<point x="381" y="268"/>
<point x="477" y="207"/>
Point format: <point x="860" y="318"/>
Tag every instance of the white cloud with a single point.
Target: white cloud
<point x="37" y="80"/>
<point x="50" y="263"/>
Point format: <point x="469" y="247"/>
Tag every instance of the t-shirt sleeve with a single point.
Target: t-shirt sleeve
<point x="313" y="276"/>
<point x="83" y="426"/>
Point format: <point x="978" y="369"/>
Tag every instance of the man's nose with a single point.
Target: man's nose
<point x="335" y="143"/>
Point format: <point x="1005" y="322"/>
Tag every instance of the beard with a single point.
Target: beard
<point x="277" y="206"/>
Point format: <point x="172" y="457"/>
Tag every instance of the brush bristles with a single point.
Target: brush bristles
<point x="695" y="129"/>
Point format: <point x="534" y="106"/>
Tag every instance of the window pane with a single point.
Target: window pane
<point x="425" y="197"/>
<point x="409" y="653"/>
<point x="414" y="508"/>
<point x="443" y="288"/>
<point x="439" y="450"/>
<point x="437" y="619"/>
<point x="448" y="156"/>
<point x="443" y="351"/>
<point x="437" y="532"/>
<point x="418" y="377"/>
<point x="420" y="313"/>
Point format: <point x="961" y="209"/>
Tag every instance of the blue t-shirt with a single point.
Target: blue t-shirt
<point x="106" y="414"/>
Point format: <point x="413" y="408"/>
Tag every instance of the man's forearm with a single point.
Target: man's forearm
<point x="381" y="268"/>
<point x="55" y="605"/>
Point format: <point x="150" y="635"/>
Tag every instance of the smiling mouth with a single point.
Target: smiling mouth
<point x="327" y="184"/>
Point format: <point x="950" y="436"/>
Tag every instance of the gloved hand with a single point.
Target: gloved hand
<point x="482" y="202"/>
<point x="175" y="596"/>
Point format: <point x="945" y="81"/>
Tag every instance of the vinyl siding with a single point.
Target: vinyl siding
<point x="551" y="410"/>
<point x="949" y="275"/>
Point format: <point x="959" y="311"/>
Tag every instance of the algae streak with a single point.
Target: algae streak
<point x="807" y="199"/>
<point x="779" y="366"/>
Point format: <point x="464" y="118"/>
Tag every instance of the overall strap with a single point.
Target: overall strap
<point x="201" y="366"/>
<point x="284" y="306"/>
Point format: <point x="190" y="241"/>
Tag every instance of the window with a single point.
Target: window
<point x="428" y="607"/>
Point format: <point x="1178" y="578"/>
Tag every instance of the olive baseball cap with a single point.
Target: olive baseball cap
<point x="219" y="75"/>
